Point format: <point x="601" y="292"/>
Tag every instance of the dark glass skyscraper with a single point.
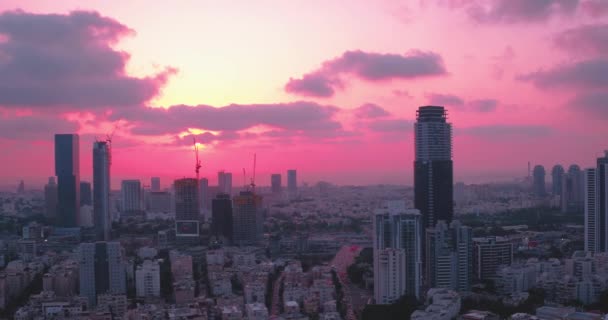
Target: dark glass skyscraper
<point x="67" y="170"/>
<point x="433" y="167"/>
<point x="221" y="219"/>
<point x="101" y="189"/>
<point x="539" y="181"/>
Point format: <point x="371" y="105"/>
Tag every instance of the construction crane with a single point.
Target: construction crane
<point x="245" y="186"/>
<point x="197" y="166"/>
<point x="109" y="142"/>
<point x="253" y="176"/>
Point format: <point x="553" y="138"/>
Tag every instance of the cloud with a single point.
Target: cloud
<point x="483" y="105"/>
<point x="589" y="39"/>
<point x="370" y="110"/>
<point x="402" y="93"/>
<point x="67" y="61"/>
<point x="595" y="8"/>
<point x="506" y="130"/>
<point x="520" y="11"/>
<point x="445" y="99"/>
<point x="391" y="125"/>
<point x="365" y="66"/>
<point x="297" y="116"/>
<point x="34" y="127"/>
<point x="594" y="104"/>
<point x="584" y="74"/>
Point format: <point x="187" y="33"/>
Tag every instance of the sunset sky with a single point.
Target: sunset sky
<point x="329" y="88"/>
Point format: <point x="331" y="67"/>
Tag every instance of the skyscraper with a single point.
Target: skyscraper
<point x="132" y="200"/>
<point x="155" y="184"/>
<point x="224" y="182"/>
<point x="102" y="270"/>
<point x="557" y="177"/>
<point x="101" y="190"/>
<point x="573" y="190"/>
<point x="187" y="212"/>
<point x="596" y="206"/>
<point x="490" y="253"/>
<point x="67" y="170"/>
<point x="50" y="198"/>
<point x="147" y="279"/>
<point x="292" y="183"/>
<point x="86" y="197"/>
<point x="591" y="212"/>
<point x="539" y="181"/>
<point x="203" y="196"/>
<point x="21" y="187"/>
<point x="397" y="252"/>
<point x="275" y="183"/>
<point x="221" y="221"/>
<point x="433" y="172"/>
<point x="247" y="218"/>
<point x="449" y="256"/>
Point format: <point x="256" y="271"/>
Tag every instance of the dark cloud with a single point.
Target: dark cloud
<point x="366" y="66"/>
<point x="588" y="39"/>
<point x="34" y="127"/>
<point x="584" y="74"/>
<point x="391" y="125"/>
<point x="483" y="105"/>
<point x="506" y="130"/>
<point x="593" y="104"/>
<point x="301" y="115"/>
<point x="445" y="99"/>
<point x="520" y="11"/>
<point x="371" y="110"/>
<point x="67" y="61"/>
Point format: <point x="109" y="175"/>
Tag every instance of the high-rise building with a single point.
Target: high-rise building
<point x="557" y="177"/>
<point x="187" y="219"/>
<point x="538" y="185"/>
<point x="596" y="206"/>
<point x="155" y="184"/>
<point x="50" y="198"/>
<point x="292" y="183"/>
<point x="433" y="172"/>
<point x="449" y="256"/>
<point x="159" y="202"/>
<point x="397" y="252"/>
<point x="132" y="199"/>
<point x="203" y="196"/>
<point x="573" y="190"/>
<point x="67" y="170"/>
<point x="101" y="190"/>
<point x="86" y="196"/>
<point x="489" y="253"/>
<point x="101" y="270"/>
<point x="247" y="218"/>
<point x="147" y="279"/>
<point x="21" y="187"/>
<point x="275" y="183"/>
<point x="221" y="220"/>
<point x="224" y="182"/>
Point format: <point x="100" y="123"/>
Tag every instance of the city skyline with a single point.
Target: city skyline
<point x="338" y="101"/>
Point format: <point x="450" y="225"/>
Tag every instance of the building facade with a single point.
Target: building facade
<point x="221" y="218"/>
<point x="397" y="252"/>
<point x="101" y="190"/>
<point x="247" y="218"/>
<point x="449" y="257"/>
<point x="538" y="185"/>
<point x="292" y="182"/>
<point x="489" y="253"/>
<point x="101" y="270"/>
<point x="67" y="170"/>
<point x="147" y="279"/>
<point x="276" y="183"/>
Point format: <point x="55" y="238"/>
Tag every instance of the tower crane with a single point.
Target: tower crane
<point x="197" y="165"/>
<point x="253" y="176"/>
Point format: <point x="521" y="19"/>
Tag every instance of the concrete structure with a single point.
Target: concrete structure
<point x="187" y="215"/>
<point x="147" y="279"/>
<point x="276" y="183"/>
<point x="101" y="190"/>
<point x="557" y="177"/>
<point x="67" y="170"/>
<point x="132" y="199"/>
<point x="159" y="202"/>
<point x="102" y="270"/>
<point x="155" y="184"/>
<point x="203" y="196"/>
<point x="247" y="218"/>
<point x="449" y="256"/>
<point x="433" y="168"/>
<point x="489" y="253"/>
<point x="538" y="185"/>
<point x="397" y="252"/>
<point x="573" y="190"/>
<point x="86" y="197"/>
<point x="50" y="198"/>
<point x="292" y="183"/>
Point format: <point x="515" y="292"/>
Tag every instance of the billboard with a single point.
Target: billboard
<point x="187" y="228"/>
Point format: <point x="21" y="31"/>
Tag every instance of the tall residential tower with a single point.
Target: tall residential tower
<point x="67" y="170"/>
<point x="101" y="190"/>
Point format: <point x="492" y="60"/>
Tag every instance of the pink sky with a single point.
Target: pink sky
<point x="327" y="87"/>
